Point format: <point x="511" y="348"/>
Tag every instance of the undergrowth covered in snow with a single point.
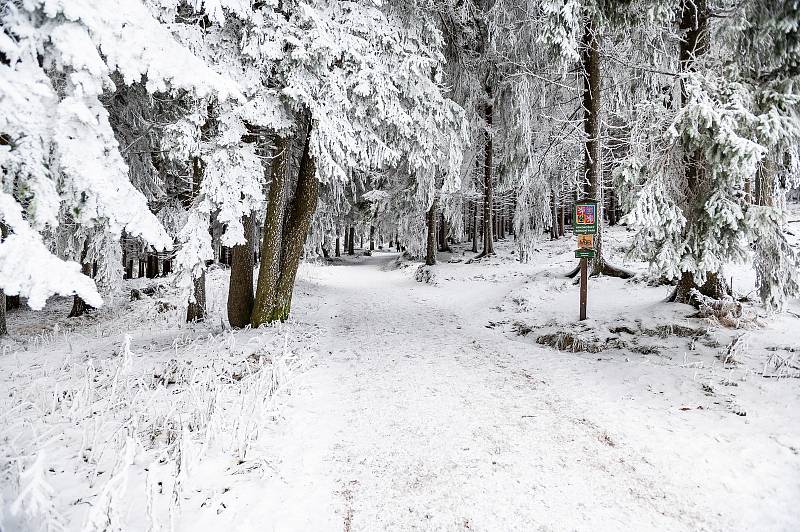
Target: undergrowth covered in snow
<point x="110" y="440"/>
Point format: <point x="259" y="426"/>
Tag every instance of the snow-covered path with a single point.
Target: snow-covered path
<point x="417" y="416"/>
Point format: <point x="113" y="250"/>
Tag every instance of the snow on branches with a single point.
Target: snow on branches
<point x="58" y="151"/>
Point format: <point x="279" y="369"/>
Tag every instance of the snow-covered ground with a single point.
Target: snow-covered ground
<point x="390" y="404"/>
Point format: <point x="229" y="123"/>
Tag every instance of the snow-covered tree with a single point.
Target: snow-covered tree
<point x="58" y="151"/>
<point x="707" y="189"/>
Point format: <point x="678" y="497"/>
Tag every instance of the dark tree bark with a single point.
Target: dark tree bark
<point x="430" y="248"/>
<point x="475" y="226"/>
<point x="276" y="284"/>
<point x="338" y="248"/>
<point x="694" y="17"/>
<point x="372" y="238"/>
<point x="351" y="241"/>
<point x="79" y="306"/>
<point x="443" y="230"/>
<point x="592" y="180"/>
<point x="488" y="201"/>
<point x="196" y="309"/>
<point x="592" y="185"/>
<point x="13" y="302"/>
<point x="3" y="325"/>
<point x="152" y="265"/>
<point x="304" y="206"/>
<point x="272" y="240"/>
<point x="240" y="288"/>
<point x="612" y="208"/>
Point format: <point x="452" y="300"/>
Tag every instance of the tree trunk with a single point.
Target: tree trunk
<point x="694" y="27"/>
<point x="443" y="234"/>
<point x="79" y="306"/>
<point x="592" y="184"/>
<point x="240" y="287"/>
<point x="430" y="254"/>
<point x="152" y="265"/>
<point x="351" y="241"/>
<point x="338" y="248"/>
<point x="3" y="326"/>
<point x="488" y="235"/>
<point x="303" y="207"/>
<point x="475" y="226"/>
<point x="272" y="240"/>
<point x="196" y="308"/>
<point x="372" y="238"/>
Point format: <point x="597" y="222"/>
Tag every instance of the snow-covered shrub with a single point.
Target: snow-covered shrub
<point x="129" y="416"/>
<point x="425" y="274"/>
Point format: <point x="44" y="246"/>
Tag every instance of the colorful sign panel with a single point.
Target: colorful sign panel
<point x="584" y="253"/>
<point x="585" y="241"/>
<point x="585" y="221"/>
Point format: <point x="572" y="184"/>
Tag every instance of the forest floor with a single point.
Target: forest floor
<point x="391" y="404"/>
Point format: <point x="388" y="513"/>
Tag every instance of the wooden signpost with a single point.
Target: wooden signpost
<point x="584" y="225"/>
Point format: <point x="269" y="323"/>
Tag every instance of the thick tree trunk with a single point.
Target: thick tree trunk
<point x="196" y="309"/>
<point x="372" y="238"/>
<point x="303" y="207"/>
<point x="693" y="23"/>
<point x="351" y="241"/>
<point x="272" y="240"/>
<point x="240" y="287"/>
<point x="592" y="184"/>
<point x="152" y="265"/>
<point x="488" y="202"/>
<point x="475" y="226"/>
<point x="430" y="251"/>
<point x="443" y="234"/>
<point x="338" y="248"/>
<point x="13" y="302"/>
<point x="3" y="326"/>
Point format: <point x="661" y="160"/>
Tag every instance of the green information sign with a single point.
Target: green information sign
<point x="585" y="220"/>
<point x="584" y="253"/>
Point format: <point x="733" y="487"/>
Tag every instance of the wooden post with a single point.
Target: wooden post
<point x="584" y="287"/>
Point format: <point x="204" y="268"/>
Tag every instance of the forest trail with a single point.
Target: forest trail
<point x="417" y="416"/>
